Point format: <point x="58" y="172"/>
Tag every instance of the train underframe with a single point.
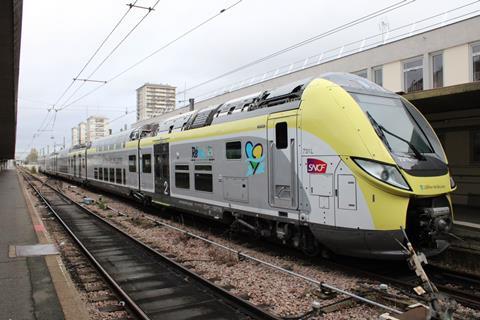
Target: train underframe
<point x="429" y="221"/>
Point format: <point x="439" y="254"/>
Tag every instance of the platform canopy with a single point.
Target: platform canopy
<point x="451" y="98"/>
<point x="10" y="34"/>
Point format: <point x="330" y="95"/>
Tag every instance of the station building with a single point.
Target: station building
<point x="437" y="70"/>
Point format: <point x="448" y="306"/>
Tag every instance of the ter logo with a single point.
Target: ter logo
<point x="316" y="166"/>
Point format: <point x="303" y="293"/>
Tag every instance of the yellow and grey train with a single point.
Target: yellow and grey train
<point x="334" y="162"/>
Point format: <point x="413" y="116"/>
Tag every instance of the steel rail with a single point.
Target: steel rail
<point x="131" y="304"/>
<point x="250" y="308"/>
<point x="259" y="261"/>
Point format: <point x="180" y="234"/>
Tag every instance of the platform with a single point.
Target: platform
<point x="467" y="216"/>
<point x="27" y="289"/>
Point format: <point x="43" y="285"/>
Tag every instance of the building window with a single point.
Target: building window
<point x="476" y="146"/>
<point x="233" y="150"/>
<point x="437" y="70"/>
<point x="281" y="135"/>
<point x="95" y="173"/>
<point x="118" y="176"/>
<point x="146" y="163"/>
<point x="361" y="73"/>
<point x="182" y="176"/>
<point x="132" y="163"/>
<point x="413" y="75"/>
<point x="100" y="174"/>
<point x="378" y="75"/>
<point x="105" y="174"/>
<point x="124" y="176"/>
<point x="476" y="61"/>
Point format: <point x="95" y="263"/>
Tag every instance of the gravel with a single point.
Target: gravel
<point x="281" y="294"/>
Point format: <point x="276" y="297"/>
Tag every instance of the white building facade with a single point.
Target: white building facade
<point x="154" y="100"/>
<point x="75" y="137"/>
<point x="96" y="127"/>
<point x="82" y="133"/>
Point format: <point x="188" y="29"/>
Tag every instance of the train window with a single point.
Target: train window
<point x="118" y="176"/>
<point x="181" y="167"/>
<point x="132" y="163"/>
<point x="204" y="182"/>
<point x="233" y="150"/>
<point x="182" y="180"/>
<point x="105" y="174"/>
<point x="95" y="173"/>
<point x="281" y="135"/>
<point x="112" y="175"/>
<point x="203" y="167"/>
<point x="147" y="163"/>
<point x="123" y="175"/>
<point x="100" y="174"/>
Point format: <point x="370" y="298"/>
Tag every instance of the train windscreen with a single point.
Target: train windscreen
<point x="404" y="132"/>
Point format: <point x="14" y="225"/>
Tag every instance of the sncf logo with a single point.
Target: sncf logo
<point x="316" y="166"/>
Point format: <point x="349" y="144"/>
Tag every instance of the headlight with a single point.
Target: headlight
<point x="453" y="185"/>
<point x="383" y="172"/>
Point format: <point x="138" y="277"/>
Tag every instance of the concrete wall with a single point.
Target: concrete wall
<point x="392" y="76"/>
<point x="456" y="61"/>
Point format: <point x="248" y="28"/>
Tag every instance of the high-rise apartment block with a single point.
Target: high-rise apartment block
<point x="154" y="100"/>
<point x="75" y="137"/>
<point x="97" y="127"/>
<point x="82" y="133"/>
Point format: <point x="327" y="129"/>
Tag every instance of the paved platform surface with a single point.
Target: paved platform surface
<point x="467" y="214"/>
<point x="26" y="288"/>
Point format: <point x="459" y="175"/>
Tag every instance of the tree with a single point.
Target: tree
<point x="32" y="156"/>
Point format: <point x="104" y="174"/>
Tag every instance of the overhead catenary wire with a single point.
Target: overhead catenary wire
<point x="443" y="13"/>
<point x="152" y="54"/>
<point x="120" y="117"/>
<point x="40" y="129"/>
<point x="342" y="27"/>
<point x="95" y="53"/>
<point x="109" y="54"/>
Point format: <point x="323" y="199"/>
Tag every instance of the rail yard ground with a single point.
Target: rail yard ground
<point x="281" y="294"/>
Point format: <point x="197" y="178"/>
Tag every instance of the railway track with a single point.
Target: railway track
<point x="456" y="285"/>
<point x="152" y="285"/>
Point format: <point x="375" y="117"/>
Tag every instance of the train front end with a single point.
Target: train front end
<point x="400" y="181"/>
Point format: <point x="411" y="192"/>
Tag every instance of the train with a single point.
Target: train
<point x="333" y="163"/>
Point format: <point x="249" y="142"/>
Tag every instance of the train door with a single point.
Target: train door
<point x="74" y="165"/>
<point x="162" y="169"/>
<point x="79" y="165"/>
<point x="282" y="175"/>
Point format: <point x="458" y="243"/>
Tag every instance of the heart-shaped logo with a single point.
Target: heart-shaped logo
<point x="254" y="155"/>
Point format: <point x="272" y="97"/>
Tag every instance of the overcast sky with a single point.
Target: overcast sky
<point x="59" y="36"/>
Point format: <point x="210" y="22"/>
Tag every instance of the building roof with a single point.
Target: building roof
<point x="10" y="34"/>
<point x="157" y="86"/>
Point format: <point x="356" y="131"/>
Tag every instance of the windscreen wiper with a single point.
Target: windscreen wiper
<point x="417" y="153"/>
<point x="379" y="130"/>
